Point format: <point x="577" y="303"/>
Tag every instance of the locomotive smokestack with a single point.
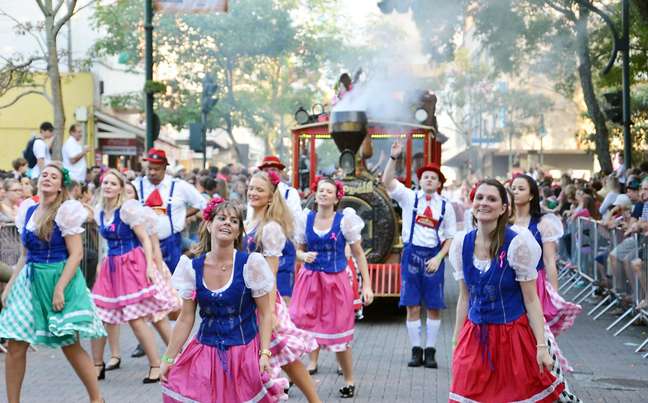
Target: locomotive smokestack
<point x="348" y="129"/>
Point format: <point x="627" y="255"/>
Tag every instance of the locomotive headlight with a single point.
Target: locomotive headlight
<point x="347" y="162"/>
<point x="301" y="116"/>
<point x="421" y="115"/>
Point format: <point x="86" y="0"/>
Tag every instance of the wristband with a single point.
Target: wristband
<point x="265" y="352"/>
<point x="167" y="359"/>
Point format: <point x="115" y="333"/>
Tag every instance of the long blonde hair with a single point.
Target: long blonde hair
<point x="204" y="243"/>
<point x="121" y="196"/>
<point x="277" y="210"/>
<point x="46" y="226"/>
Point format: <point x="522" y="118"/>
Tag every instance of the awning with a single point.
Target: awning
<point x="111" y="127"/>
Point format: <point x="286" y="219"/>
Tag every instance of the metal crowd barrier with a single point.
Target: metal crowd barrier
<point x="598" y="259"/>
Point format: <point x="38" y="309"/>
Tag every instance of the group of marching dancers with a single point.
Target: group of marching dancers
<point x="259" y="319"/>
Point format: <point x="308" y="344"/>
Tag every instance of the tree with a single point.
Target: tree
<point x="18" y="70"/>
<point x="266" y="62"/>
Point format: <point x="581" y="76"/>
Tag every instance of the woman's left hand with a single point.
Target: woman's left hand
<point x="264" y="364"/>
<point x="150" y="268"/>
<point x="544" y="359"/>
<point x="432" y="265"/>
<point x="367" y="295"/>
<point x="58" y="300"/>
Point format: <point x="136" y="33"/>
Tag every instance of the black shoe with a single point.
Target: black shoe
<point x="347" y="391"/>
<point x="312" y="371"/>
<point x="138" y="352"/>
<point x="102" y="373"/>
<point x="339" y="371"/>
<point x="116" y="365"/>
<point x="430" y="362"/>
<point x="417" y="357"/>
<point x="148" y="379"/>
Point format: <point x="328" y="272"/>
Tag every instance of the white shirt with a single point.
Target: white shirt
<point x="184" y="195"/>
<point x="71" y="149"/>
<point x="424" y="236"/>
<point x="41" y="150"/>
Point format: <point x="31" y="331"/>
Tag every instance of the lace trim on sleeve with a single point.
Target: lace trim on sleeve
<point x="273" y="239"/>
<point x="257" y="275"/>
<point x="455" y="255"/>
<point x="523" y="255"/>
<point x="70" y="217"/>
<point x="351" y="225"/>
<point x="21" y="214"/>
<point x="551" y="228"/>
<point x="300" y="227"/>
<point x="132" y="213"/>
<point x="184" y="278"/>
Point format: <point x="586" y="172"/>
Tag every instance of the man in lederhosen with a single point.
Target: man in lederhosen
<point x="428" y="228"/>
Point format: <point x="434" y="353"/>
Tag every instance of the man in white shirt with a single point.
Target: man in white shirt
<point x="428" y="228"/>
<point x="74" y="154"/>
<point x="286" y="270"/>
<point x="173" y="199"/>
<point x="41" y="149"/>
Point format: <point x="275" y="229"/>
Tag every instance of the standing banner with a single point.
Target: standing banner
<point x="191" y="6"/>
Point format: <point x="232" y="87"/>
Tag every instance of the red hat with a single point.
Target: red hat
<point x="431" y="167"/>
<point x="271" y="161"/>
<point x="156" y="156"/>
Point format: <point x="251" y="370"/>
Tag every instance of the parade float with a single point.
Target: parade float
<point x="364" y="146"/>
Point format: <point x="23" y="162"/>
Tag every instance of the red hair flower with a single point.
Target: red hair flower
<point x="315" y="183"/>
<point x="274" y="178"/>
<point x="339" y="186"/>
<point x="208" y="212"/>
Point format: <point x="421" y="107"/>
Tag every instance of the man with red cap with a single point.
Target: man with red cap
<point x="428" y="228"/>
<point x="173" y="199"/>
<point x="286" y="271"/>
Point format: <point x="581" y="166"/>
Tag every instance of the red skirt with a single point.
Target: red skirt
<point x="506" y="372"/>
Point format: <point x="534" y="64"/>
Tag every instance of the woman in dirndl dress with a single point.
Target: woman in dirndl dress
<point x="229" y="358"/>
<point x="322" y="302"/>
<point x="267" y="232"/>
<point x="124" y="291"/>
<point x="46" y="301"/>
<point x="501" y="354"/>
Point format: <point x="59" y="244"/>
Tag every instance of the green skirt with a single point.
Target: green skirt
<point x="29" y="315"/>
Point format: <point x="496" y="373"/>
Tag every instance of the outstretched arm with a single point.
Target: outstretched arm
<point x="388" y="178"/>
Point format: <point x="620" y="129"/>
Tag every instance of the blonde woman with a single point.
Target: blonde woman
<point x="46" y="301"/>
<point x="124" y="291"/>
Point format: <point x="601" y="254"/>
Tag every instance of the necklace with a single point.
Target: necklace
<point x="224" y="267"/>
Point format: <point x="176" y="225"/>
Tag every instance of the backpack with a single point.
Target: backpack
<point x="28" y="153"/>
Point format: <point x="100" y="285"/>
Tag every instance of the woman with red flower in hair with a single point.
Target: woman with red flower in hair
<point x="322" y="301"/>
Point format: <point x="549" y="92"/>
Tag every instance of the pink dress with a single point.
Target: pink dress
<point x="322" y="302"/>
<point x="122" y="291"/>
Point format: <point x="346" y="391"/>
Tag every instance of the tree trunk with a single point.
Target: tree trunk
<point x="54" y="76"/>
<point x="229" y="81"/>
<point x="601" y="139"/>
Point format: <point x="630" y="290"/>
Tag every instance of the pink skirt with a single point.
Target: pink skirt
<point x="288" y="343"/>
<point x="559" y="314"/>
<point x="162" y="279"/>
<point x="322" y="304"/>
<point x="123" y="292"/>
<point x="198" y="376"/>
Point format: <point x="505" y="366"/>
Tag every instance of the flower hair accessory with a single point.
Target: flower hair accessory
<point x="67" y="181"/>
<point x="315" y="183"/>
<point x="339" y="186"/>
<point x="208" y="212"/>
<point x="274" y="178"/>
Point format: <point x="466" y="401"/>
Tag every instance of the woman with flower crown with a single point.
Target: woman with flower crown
<point x="322" y="301"/>
<point x="124" y="291"/>
<point x="47" y="301"/>
<point x="229" y="358"/>
<point x="267" y="231"/>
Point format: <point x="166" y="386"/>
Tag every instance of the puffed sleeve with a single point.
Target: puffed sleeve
<point x="184" y="278"/>
<point x="132" y="213"/>
<point x="524" y="254"/>
<point x="273" y="239"/>
<point x="21" y="214"/>
<point x="551" y="228"/>
<point x="258" y="276"/>
<point x="70" y="217"/>
<point x="300" y="227"/>
<point x="455" y="255"/>
<point x="151" y="220"/>
<point x="351" y="225"/>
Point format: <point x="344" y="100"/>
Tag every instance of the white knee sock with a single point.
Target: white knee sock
<point x="432" y="332"/>
<point x="414" y="331"/>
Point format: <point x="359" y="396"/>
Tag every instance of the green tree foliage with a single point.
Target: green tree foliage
<point x="268" y="57"/>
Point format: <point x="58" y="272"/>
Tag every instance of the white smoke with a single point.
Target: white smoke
<point x="394" y="76"/>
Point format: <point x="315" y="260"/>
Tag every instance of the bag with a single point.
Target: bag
<point x="28" y="153"/>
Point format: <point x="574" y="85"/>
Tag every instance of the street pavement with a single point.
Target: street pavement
<point x="605" y="367"/>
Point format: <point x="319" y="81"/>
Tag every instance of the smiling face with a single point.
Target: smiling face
<point x="225" y="227"/>
<point x="326" y="194"/>
<point x="110" y="186"/>
<point x="429" y="181"/>
<point x="521" y="191"/>
<point x="258" y="192"/>
<point x="50" y="181"/>
<point x="488" y="205"/>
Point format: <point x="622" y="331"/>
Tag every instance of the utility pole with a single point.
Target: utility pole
<point x="148" y="62"/>
<point x="207" y="103"/>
